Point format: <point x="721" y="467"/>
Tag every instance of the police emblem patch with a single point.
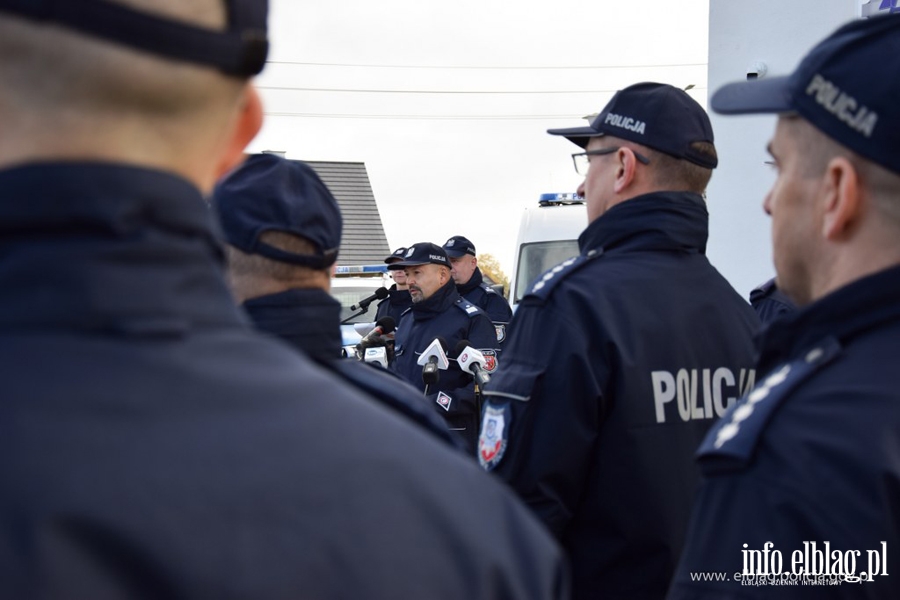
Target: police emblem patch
<point x="492" y="441"/>
<point x="500" y="330"/>
<point x="490" y="360"/>
<point x="444" y="401"/>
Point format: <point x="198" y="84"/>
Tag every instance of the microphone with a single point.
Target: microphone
<point x="472" y="362"/>
<point x="377" y="356"/>
<point x="380" y="294"/>
<point x="434" y="358"/>
<point x="383" y="326"/>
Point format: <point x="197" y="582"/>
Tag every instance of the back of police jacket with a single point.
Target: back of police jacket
<point x="153" y="446"/>
<point x="308" y="319"/>
<point x="618" y="362"/>
<point x="445" y="314"/>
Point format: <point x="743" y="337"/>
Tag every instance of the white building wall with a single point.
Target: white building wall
<point x="742" y="33"/>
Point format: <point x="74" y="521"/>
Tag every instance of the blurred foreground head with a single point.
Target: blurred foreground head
<point x="156" y="83"/>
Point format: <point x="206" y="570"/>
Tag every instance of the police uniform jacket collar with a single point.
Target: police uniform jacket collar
<point x="445" y="297"/>
<point x="81" y="243"/>
<point x="308" y="319"/>
<point x="865" y="304"/>
<point x="669" y="221"/>
<point x="398" y="296"/>
<point x="475" y="281"/>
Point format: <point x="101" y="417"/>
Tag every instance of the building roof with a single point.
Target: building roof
<point x="363" y="240"/>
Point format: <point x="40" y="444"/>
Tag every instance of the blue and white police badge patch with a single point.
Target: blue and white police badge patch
<point x="500" y="330"/>
<point x="444" y="401"/>
<point x="492" y="441"/>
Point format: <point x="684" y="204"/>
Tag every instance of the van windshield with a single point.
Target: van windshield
<point x="536" y="258"/>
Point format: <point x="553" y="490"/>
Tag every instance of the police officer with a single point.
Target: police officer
<point x="287" y="295"/>
<point x="471" y="285"/>
<point x="769" y="302"/>
<point x="153" y="445"/>
<point x="398" y="299"/>
<point x="619" y="359"/>
<point x="802" y="477"/>
<point x="440" y="313"/>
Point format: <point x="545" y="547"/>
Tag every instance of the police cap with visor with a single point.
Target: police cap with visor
<point x="655" y="115"/>
<point x="423" y="253"/>
<point x="270" y="193"/>
<point x="458" y="246"/>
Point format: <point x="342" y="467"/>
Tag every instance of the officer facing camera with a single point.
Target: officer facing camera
<point x="471" y="285"/>
<point x="440" y="313"/>
<point x="398" y="299"/>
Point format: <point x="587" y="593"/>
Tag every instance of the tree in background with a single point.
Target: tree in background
<point x="490" y="268"/>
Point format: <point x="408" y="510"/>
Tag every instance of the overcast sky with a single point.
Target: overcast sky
<point x="467" y="160"/>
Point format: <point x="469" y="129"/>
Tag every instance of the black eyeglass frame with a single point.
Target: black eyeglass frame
<point x="600" y="152"/>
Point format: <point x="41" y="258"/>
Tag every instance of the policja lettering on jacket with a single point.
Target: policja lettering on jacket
<point x="700" y="393"/>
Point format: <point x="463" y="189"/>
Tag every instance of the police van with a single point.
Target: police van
<point x="548" y="235"/>
<point x="350" y="285"/>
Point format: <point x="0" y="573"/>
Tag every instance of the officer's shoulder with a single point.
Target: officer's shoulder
<point x="487" y="289"/>
<point x="467" y="307"/>
<point x="543" y="286"/>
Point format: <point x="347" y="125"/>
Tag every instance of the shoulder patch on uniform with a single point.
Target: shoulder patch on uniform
<point x="543" y="285"/>
<point x="732" y="441"/>
<point x="494" y="434"/>
<point x="467" y="307"/>
<point x="490" y="360"/>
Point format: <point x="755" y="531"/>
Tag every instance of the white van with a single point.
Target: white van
<point x="351" y="284"/>
<point x="548" y="235"/>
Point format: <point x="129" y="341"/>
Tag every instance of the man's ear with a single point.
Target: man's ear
<point x="249" y="122"/>
<point x="842" y="199"/>
<point x="625" y="169"/>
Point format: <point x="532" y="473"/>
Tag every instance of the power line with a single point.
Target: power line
<point x="454" y="92"/>
<point x="422" y="117"/>
<point x="481" y="67"/>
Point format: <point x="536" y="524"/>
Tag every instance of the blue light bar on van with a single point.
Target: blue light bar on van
<point x="555" y="199"/>
<point x="357" y="269"/>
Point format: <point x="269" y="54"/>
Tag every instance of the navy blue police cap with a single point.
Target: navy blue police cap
<point x="656" y="115"/>
<point x="396" y="255"/>
<point x="270" y="193"/>
<point x="239" y="50"/>
<point x="423" y="253"/>
<point x="458" y="246"/>
<point x="847" y="87"/>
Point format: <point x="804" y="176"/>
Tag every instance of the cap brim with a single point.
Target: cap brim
<point x="770" y="95"/>
<point x="405" y="263"/>
<point x="452" y="254"/>
<point x="577" y="135"/>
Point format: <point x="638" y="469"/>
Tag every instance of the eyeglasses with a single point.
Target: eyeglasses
<point x="582" y="160"/>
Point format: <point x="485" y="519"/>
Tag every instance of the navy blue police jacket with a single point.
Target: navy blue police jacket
<point x="447" y="315"/>
<point x="484" y="297"/>
<point x="618" y="362"/>
<point x="769" y="302"/>
<point x="394" y="305"/>
<point x="153" y="445"/>
<point x="309" y="320"/>
<point x="809" y="461"/>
